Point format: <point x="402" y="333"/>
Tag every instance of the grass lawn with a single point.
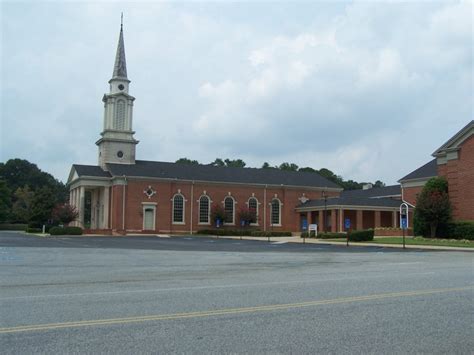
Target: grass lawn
<point x="425" y="241"/>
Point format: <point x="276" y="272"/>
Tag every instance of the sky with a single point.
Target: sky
<point x="367" y="89"/>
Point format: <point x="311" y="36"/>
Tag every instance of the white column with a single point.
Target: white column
<point x="82" y="202"/>
<point x="105" y="202"/>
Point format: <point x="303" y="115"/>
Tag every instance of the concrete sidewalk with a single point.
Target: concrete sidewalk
<point x="351" y="244"/>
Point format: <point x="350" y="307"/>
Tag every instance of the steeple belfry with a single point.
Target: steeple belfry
<point x="117" y="144"/>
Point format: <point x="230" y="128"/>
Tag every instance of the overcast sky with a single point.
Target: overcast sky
<point x="366" y="89"/>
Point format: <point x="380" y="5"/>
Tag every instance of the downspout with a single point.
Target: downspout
<point x="265" y="208"/>
<point x="123" y="203"/>
<point x="192" y="204"/>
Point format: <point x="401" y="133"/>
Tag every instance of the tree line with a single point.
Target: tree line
<point x="30" y="195"/>
<point x="328" y="174"/>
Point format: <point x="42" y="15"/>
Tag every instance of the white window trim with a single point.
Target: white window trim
<point x="279" y="212"/>
<point x="233" y="210"/>
<point x="147" y="205"/>
<point x="208" y="210"/>
<point x="184" y="209"/>
<point x="256" y="224"/>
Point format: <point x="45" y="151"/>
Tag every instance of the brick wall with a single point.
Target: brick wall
<point x="410" y="194"/>
<point x="162" y="200"/>
<point x="460" y="175"/>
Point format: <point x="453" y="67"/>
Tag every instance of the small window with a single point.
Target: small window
<point x="178" y="209"/>
<point x="229" y="210"/>
<point x="275" y="212"/>
<point x="204" y="210"/>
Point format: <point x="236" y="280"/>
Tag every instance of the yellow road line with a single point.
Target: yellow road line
<point x="275" y="307"/>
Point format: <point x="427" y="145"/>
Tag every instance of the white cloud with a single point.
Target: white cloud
<point x="368" y="89"/>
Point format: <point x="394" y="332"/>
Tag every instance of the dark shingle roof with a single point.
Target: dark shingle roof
<point x="428" y="170"/>
<point x="352" y="201"/>
<point x="196" y="172"/>
<point x="375" y="192"/>
<point x="90" y="170"/>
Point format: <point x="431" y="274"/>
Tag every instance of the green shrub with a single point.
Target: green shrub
<point x="13" y="227"/>
<point x="330" y="235"/>
<point x="34" y="230"/>
<point x="458" y="230"/>
<point x="362" y="235"/>
<point x="65" y="231"/>
<point x="243" y="232"/>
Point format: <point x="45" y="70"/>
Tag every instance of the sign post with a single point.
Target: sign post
<point x="242" y="225"/>
<point x="347" y="226"/>
<point x="404" y="220"/>
<point x="304" y="227"/>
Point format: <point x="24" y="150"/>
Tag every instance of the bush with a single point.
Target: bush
<point x="34" y="230"/>
<point x="65" y="231"/>
<point x="13" y="227"/>
<point x="458" y="230"/>
<point x="330" y="235"/>
<point x="362" y="235"/>
<point x="243" y="232"/>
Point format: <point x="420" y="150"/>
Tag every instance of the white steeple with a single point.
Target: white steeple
<point x="117" y="144"/>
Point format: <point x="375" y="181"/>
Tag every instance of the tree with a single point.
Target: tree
<point x="187" y="161"/>
<point x="247" y="215"/>
<point x="64" y="213"/>
<point x="308" y="170"/>
<point x="5" y="201"/>
<point x="237" y="163"/>
<point x="22" y="206"/>
<point x="433" y="208"/>
<point x="379" y="183"/>
<point x="288" y="167"/>
<point x="218" y="213"/>
<point x="42" y="205"/>
<point x="218" y="162"/>
<point x="268" y="166"/>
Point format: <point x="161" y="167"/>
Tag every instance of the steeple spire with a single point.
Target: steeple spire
<point x="120" y="67"/>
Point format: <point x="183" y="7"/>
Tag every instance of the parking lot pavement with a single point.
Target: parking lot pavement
<point x="196" y="295"/>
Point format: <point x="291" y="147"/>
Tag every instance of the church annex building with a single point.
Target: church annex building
<point x="134" y="196"/>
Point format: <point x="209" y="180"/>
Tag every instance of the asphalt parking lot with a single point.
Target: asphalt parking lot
<point x="203" y="295"/>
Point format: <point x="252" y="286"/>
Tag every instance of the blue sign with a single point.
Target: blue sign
<point x="242" y="223"/>
<point x="218" y="223"/>
<point x="404" y="223"/>
<point x="304" y="224"/>
<point x="347" y="223"/>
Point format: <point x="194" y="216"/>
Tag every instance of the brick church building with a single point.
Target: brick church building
<point x="125" y="195"/>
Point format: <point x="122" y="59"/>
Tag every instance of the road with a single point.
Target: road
<point x="202" y="295"/>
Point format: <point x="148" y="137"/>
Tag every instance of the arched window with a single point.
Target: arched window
<point x="178" y="208"/>
<point x="253" y="208"/>
<point x="229" y="210"/>
<point x="204" y="217"/>
<point x="120" y="115"/>
<point x="275" y="218"/>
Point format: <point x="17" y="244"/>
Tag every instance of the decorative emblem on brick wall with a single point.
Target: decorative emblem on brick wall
<point x="149" y="192"/>
<point x="303" y="199"/>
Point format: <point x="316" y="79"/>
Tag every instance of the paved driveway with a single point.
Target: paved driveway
<point x="200" y="295"/>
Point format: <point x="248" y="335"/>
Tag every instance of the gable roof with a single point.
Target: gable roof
<point x="208" y="173"/>
<point x="374" y="192"/>
<point x="90" y="170"/>
<point x="182" y="171"/>
<point x="455" y="141"/>
<point x="428" y="170"/>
